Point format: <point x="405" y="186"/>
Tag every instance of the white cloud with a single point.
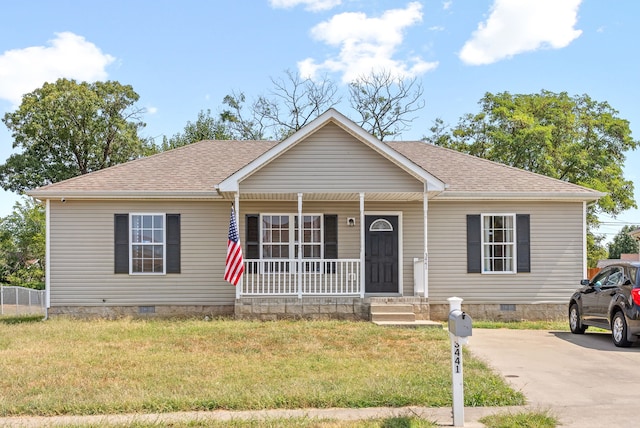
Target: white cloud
<point x="517" y="26"/>
<point x="311" y="5"/>
<point x="152" y="110"/>
<point x="68" y="55"/>
<point x="367" y="44"/>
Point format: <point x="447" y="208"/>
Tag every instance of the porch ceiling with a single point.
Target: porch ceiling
<point x="327" y="196"/>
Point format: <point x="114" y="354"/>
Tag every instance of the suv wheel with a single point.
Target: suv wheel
<point x="574" y="320"/>
<point x="619" y="330"/>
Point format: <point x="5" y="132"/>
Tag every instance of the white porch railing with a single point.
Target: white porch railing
<point x="292" y="277"/>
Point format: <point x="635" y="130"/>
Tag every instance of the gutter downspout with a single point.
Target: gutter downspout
<point x="584" y="240"/>
<point x="47" y="257"/>
<point x="362" y="231"/>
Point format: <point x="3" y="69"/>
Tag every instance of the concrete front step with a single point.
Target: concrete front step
<point x="406" y="324"/>
<point x="393" y="316"/>
<point x="392" y="312"/>
<point x="391" y="307"/>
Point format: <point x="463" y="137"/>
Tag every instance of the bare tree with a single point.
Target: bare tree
<point x="385" y="103"/>
<point x="295" y="102"/>
<point x="240" y="127"/>
<point x="292" y="103"/>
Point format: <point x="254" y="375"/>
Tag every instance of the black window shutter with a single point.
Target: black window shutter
<point x="330" y="236"/>
<point x="252" y="236"/>
<point x="523" y="250"/>
<point x="121" y="241"/>
<point x="474" y="264"/>
<point x="173" y="243"/>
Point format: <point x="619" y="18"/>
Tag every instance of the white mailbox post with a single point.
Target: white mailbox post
<point x="459" y="331"/>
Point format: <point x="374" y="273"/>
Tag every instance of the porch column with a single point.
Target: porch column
<point x="236" y="208"/>
<point x="425" y="263"/>
<point x="300" y="277"/>
<point x="362" y="232"/>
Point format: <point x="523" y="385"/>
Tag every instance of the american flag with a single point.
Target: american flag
<point x="234" y="267"/>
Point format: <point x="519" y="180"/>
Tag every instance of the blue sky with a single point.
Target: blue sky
<point x="184" y="56"/>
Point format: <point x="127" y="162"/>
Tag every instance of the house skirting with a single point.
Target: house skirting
<point x="341" y="308"/>
<point x="505" y="312"/>
<point x="150" y="311"/>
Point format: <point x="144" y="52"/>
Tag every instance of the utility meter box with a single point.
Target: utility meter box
<point x="459" y="323"/>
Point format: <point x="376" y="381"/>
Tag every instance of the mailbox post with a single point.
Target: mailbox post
<point x="459" y="331"/>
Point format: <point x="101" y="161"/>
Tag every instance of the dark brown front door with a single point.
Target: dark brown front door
<point x="381" y="254"/>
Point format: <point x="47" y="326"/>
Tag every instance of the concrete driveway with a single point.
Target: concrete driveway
<point x="583" y="380"/>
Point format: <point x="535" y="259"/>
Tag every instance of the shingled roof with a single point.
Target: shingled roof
<point x="465" y="174"/>
<point x="197" y="169"/>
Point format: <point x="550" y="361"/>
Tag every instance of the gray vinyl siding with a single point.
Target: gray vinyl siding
<point x="349" y="237"/>
<point x="330" y="160"/>
<point x="82" y="256"/>
<point x="556" y="254"/>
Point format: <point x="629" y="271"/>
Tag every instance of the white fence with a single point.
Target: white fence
<point x="21" y="301"/>
<point x="308" y="277"/>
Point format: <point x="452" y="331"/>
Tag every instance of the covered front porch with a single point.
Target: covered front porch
<point x="333" y="245"/>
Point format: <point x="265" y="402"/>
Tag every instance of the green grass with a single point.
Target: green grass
<point x="529" y="419"/>
<point x="64" y="366"/>
<point x="524" y="325"/>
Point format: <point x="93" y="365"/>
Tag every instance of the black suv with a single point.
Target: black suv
<point x="611" y="300"/>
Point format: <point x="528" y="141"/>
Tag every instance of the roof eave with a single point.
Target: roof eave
<point x="520" y="196"/>
<point x="137" y="194"/>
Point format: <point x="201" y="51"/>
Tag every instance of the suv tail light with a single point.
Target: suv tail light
<point x="635" y="294"/>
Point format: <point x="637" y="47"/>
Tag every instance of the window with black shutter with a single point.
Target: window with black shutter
<point x="496" y="241"/>
<point x="147" y="243"/>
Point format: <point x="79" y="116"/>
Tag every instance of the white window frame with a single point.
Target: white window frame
<point x="163" y="243"/>
<point x="512" y="244"/>
<point x="293" y="236"/>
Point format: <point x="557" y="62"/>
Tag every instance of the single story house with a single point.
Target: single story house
<point x="330" y="221"/>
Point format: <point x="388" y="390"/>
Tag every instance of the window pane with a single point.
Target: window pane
<point x="147" y="221"/>
<point x="158" y="221"/>
<point x="136" y="251"/>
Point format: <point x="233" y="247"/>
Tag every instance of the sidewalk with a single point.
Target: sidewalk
<point x="441" y="416"/>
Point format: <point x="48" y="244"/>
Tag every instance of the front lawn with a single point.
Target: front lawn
<point x="64" y="366"/>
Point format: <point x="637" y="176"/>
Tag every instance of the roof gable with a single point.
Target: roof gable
<point x="231" y="184"/>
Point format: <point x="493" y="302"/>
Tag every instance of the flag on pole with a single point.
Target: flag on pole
<point x="234" y="267"/>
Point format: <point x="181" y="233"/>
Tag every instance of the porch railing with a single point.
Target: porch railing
<point x="293" y="277"/>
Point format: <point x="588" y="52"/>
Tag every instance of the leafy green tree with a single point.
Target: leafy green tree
<point x="205" y="127"/>
<point x="65" y="129"/>
<point x="596" y="250"/>
<point x="22" y="245"/>
<point x="623" y="243"/>
<point x="575" y="139"/>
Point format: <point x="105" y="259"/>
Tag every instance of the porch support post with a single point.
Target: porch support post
<point x="300" y="277"/>
<point x="236" y="208"/>
<point x="425" y="263"/>
<point x="362" y="232"/>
